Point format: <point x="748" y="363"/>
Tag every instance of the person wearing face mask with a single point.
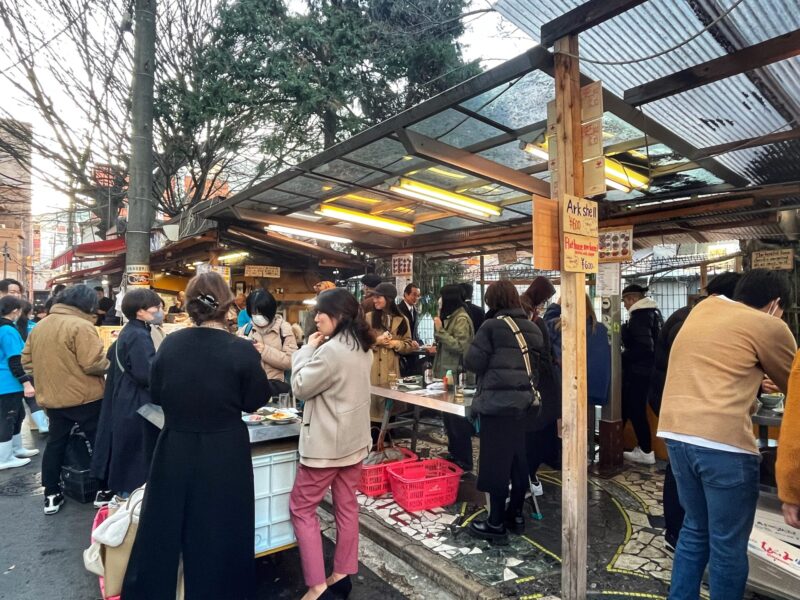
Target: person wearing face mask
<point x="157" y="333"/>
<point x="716" y="366"/>
<point x="125" y="439"/>
<point x="14" y="384"/>
<point x="272" y="337"/>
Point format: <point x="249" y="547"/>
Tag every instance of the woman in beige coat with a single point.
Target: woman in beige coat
<point x="392" y="338"/>
<point x="272" y="337"/>
<point x="331" y="373"/>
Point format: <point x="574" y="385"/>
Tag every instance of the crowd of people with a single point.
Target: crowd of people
<point x="700" y="372"/>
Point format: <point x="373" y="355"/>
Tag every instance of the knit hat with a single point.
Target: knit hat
<point x="634" y="289"/>
<point x="388" y="290"/>
<point x="540" y="291"/>
<point x="371" y="280"/>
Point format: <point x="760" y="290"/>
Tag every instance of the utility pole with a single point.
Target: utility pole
<point x="5" y="260"/>
<point x="141" y="210"/>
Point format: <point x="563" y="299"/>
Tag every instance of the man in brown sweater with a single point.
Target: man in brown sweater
<point x="716" y="367"/>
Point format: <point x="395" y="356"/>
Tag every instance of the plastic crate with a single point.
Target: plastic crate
<point x="78" y="484"/>
<point x="375" y="479"/>
<point x="273" y="479"/>
<point x="426" y="484"/>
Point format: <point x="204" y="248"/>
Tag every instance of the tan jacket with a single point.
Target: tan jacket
<point x="716" y="366"/>
<point x="277" y="355"/>
<point x="787" y="469"/>
<point x="65" y="356"/>
<point x="334" y="382"/>
<point x="386" y="360"/>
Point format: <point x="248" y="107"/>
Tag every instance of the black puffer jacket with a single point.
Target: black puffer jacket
<point x="639" y="337"/>
<point x="504" y="388"/>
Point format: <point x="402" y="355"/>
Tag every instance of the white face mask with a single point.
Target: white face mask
<point x="260" y="321"/>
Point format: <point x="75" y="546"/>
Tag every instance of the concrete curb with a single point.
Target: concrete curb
<point x="458" y="582"/>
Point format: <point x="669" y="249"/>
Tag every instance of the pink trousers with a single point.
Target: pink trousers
<point x="310" y="486"/>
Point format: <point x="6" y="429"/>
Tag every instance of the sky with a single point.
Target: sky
<point x="488" y="38"/>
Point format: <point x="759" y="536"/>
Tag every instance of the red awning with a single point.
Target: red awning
<point x="110" y="247"/>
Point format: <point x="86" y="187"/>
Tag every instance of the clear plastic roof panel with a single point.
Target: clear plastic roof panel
<point x="455" y="128"/>
<point x="511" y="155"/>
<point x="724" y="111"/>
<point x="344" y="171"/>
<point x="517" y="104"/>
<point x="309" y="186"/>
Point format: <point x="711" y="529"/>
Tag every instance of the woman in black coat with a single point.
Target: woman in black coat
<point x="199" y="503"/>
<point x="128" y="450"/>
<point x="504" y="397"/>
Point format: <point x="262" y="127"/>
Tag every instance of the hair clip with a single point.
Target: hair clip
<point x="208" y="300"/>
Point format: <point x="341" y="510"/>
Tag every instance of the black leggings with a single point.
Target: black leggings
<point x="673" y="511"/>
<point x="12" y="413"/>
<point x="634" y="409"/>
<point x="31" y="402"/>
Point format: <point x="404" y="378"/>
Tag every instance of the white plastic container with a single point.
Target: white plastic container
<point x="273" y="478"/>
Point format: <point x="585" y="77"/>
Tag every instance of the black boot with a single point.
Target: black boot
<point x="486" y="531"/>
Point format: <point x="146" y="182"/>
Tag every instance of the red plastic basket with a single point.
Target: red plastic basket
<point x="101" y="516"/>
<point x="375" y="480"/>
<point x="426" y="484"/>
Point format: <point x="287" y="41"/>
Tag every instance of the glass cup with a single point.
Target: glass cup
<point x="392" y="380"/>
<point x="283" y="401"/>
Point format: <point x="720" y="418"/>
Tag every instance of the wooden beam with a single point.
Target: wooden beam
<point x="569" y="163"/>
<point x="654" y="214"/>
<point x="584" y="17"/>
<point x="737" y="62"/>
<point x="773" y="138"/>
<point x="473" y="164"/>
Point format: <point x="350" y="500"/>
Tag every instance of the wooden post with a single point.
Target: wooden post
<point x="703" y="276"/>
<point x="573" y="322"/>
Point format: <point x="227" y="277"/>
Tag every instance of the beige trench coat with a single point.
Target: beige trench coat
<point x="385" y="360"/>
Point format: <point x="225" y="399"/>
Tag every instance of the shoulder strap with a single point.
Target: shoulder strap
<point x="248" y="328"/>
<point x="116" y="354"/>
<point x="526" y="356"/>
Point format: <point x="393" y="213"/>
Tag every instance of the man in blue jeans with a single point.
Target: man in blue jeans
<point x="716" y="366"/>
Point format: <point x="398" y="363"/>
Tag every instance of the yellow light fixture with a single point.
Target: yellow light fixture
<point x="450" y="200"/>
<point x="445" y="173"/>
<point x="356" y="197"/>
<point x="630" y="178"/>
<point x="535" y="150"/>
<point x="234" y="256"/>
<point x="617" y="186"/>
<point x="308" y="234"/>
<point x="362" y="218"/>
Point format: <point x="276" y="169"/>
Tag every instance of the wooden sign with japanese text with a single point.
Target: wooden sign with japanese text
<point x="262" y="271"/>
<point x="580" y="254"/>
<point x="777" y="260"/>
<point x="579" y="216"/>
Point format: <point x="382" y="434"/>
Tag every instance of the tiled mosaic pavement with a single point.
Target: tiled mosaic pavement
<point x="626" y="548"/>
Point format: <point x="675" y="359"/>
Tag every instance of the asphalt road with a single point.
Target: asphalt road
<point x="41" y="556"/>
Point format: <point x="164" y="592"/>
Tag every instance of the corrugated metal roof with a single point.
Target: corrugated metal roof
<point x="725" y="111"/>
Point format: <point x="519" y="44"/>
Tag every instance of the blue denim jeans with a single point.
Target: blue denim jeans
<point x="719" y="492"/>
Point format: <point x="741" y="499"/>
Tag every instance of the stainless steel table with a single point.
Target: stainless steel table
<point x="766" y="418"/>
<point x="441" y="401"/>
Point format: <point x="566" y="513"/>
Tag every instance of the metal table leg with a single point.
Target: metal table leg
<point x="415" y="428"/>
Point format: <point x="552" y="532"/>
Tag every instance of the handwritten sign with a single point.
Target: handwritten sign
<point x="580" y="254"/>
<point x="262" y="271"/>
<point x="592" y="101"/>
<point x="225" y="272"/>
<point x="579" y="216"/>
<point x="616" y="244"/>
<point x="777" y="260"/>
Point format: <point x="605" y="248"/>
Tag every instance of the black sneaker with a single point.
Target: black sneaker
<point x="53" y="503"/>
<point x="496" y="534"/>
<point x="102" y="498"/>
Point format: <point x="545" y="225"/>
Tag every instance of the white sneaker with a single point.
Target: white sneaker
<point x="21" y="451"/>
<point x="536" y="488"/>
<point x="643" y="458"/>
<point x="53" y="503"/>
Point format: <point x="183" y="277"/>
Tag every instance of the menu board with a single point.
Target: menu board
<point x="616" y="244"/>
<point x="262" y="271"/>
<point x="580" y="254"/>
